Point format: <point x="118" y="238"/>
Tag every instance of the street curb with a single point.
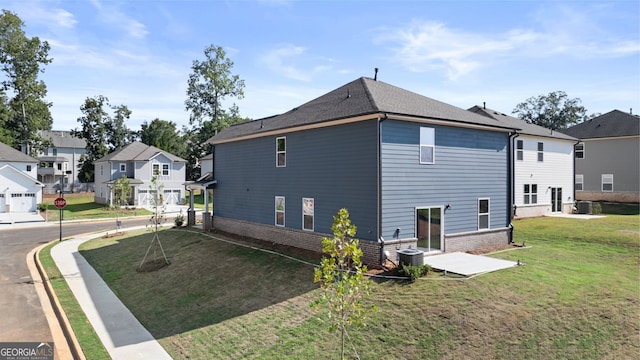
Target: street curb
<point x="65" y="342"/>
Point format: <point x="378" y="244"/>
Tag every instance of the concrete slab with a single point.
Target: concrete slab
<point x="576" y="216"/>
<point x="20" y="217"/>
<point x="467" y="264"/>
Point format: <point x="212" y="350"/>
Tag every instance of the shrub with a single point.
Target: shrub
<point x="179" y="220"/>
<point x="596" y="208"/>
<point x="42" y="207"/>
<point x="413" y="271"/>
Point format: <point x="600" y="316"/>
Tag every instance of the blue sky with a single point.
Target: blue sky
<point x="139" y="52"/>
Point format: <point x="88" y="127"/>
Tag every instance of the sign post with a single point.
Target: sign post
<point x="60" y="203"/>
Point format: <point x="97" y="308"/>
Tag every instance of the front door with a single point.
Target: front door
<point x="556" y="199"/>
<point x="429" y="228"/>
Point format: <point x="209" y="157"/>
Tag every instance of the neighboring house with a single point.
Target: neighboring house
<point x="543" y="167"/>
<point x="59" y="163"/>
<point x="20" y="191"/>
<point x="608" y="158"/>
<point x="139" y="163"/>
<point x="412" y="171"/>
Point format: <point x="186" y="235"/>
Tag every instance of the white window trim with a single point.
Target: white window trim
<point x="432" y="146"/>
<point x="530" y="194"/>
<point x="168" y="170"/>
<point x="123" y="167"/>
<point x="540" y="152"/>
<point x="487" y="213"/>
<point x="283" y="211"/>
<point x="579" y="180"/>
<point x="313" y="216"/>
<point x="582" y="151"/>
<point x="153" y="169"/>
<point x="281" y="152"/>
<point x="520" y="151"/>
<point x="605" y="180"/>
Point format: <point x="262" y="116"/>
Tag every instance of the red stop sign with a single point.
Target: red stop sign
<point x="60" y="203"/>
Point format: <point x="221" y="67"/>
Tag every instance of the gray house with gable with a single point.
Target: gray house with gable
<point x="412" y="171"/>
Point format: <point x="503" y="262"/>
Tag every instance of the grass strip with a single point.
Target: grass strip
<point x="88" y="339"/>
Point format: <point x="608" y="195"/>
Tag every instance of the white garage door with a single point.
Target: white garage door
<point x="171" y="196"/>
<point x="23" y="202"/>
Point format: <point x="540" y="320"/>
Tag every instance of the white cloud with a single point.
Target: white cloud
<point x="114" y="17"/>
<point x="425" y="46"/>
<point x="294" y="62"/>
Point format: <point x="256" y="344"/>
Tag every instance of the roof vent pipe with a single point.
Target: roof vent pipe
<point x="630" y="111"/>
<point x="484" y="105"/>
<point x="375" y="75"/>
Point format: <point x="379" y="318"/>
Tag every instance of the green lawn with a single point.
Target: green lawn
<point x="576" y="297"/>
<point x="81" y="206"/>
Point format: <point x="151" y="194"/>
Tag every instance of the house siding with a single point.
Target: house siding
<point x="469" y="164"/>
<point x="336" y="166"/>
<point x="555" y="171"/>
<point x="617" y="156"/>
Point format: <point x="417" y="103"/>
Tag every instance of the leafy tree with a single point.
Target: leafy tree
<point x="121" y="193"/>
<point x="21" y="60"/>
<point x="157" y="219"/>
<point x="93" y="131"/>
<point x="209" y="84"/>
<point x="341" y="277"/>
<point x="118" y="134"/>
<point x="554" y="111"/>
<point x="163" y="135"/>
<point x="101" y="132"/>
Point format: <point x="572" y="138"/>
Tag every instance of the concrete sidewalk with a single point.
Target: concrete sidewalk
<point x="121" y="333"/>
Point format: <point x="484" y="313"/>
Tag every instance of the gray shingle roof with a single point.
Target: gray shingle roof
<point x="9" y="154"/>
<point x="615" y="123"/>
<point x="363" y="96"/>
<point x="525" y="127"/>
<point x="62" y="139"/>
<point x="137" y="151"/>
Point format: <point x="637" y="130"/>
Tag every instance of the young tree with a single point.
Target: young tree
<point x="21" y="60"/>
<point x="341" y="277"/>
<point x="554" y="111"/>
<point x="121" y="192"/>
<point x="157" y="219"/>
<point x="209" y="84"/>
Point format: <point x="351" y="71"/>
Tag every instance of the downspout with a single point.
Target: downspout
<point x="512" y="175"/>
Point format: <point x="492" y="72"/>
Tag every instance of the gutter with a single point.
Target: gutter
<point x="379" y="190"/>
<point x="512" y="174"/>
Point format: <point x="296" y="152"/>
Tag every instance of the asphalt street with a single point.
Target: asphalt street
<point x="21" y="316"/>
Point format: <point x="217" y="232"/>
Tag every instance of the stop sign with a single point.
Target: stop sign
<point x="60" y="203"/>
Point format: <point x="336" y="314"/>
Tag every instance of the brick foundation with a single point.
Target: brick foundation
<point x="371" y="251"/>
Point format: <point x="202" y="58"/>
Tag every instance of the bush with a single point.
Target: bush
<point x="596" y="208"/>
<point x="42" y="207"/>
<point x="413" y="271"/>
<point x="179" y="220"/>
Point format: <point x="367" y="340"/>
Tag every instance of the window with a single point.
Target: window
<point x="519" y="150"/>
<point x="279" y="210"/>
<point x="165" y="169"/>
<point x="607" y="182"/>
<point x="530" y="193"/>
<point x="101" y="170"/>
<point x="427" y="145"/>
<point x="579" y="182"/>
<point x="579" y="151"/>
<point x="281" y="152"/>
<point x="59" y="166"/>
<point x="123" y="167"/>
<point x="483" y="214"/>
<point x="540" y="151"/>
<point x="307" y="214"/>
<point x="156" y="169"/>
<point x="28" y="167"/>
<point x="55" y="152"/>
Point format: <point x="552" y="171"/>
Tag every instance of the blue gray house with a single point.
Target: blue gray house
<point x="412" y="171"/>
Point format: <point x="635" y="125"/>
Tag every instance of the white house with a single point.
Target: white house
<point x="139" y="163"/>
<point x="20" y="191"/>
<point x="61" y="161"/>
<point x="543" y="167"/>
